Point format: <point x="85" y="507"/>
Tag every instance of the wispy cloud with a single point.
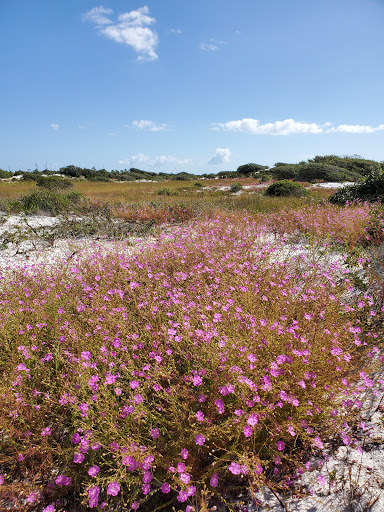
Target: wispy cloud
<point x="356" y="128"/>
<point x="55" y="127"/>
<point x="222" y="156"/>
<point x="157" y="161"/>
<point x="131" y="29"/>
<point x="150" y="126"/>
<point x="211" y="46"/>
<point x="290" y="127"/>
<point x="177" y="31"/>
<point x="96" y="15"/>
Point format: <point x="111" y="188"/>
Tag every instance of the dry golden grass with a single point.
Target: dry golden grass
<point x="172" y="193"/>
<point x="13" y="190"/>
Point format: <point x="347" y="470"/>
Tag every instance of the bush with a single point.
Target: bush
<point x="49" y="201"/>
<point x="352" y="164"/>
<point x="54" y="183"/>
<point x="313" y="171"/>
<point x="251" y="169"/>
<point x="236" y="187"/>
<point x="171" y="369"/>
<point x="5" y="174"/>
<point x="286" y="188"/>
<point x="166" y="192"/>
<point x="370" y="189"/>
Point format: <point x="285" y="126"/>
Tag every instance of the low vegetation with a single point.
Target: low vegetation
<point x="215" y="359"/>
<point x="286" y="188"/>
<point x="369" y="189"/>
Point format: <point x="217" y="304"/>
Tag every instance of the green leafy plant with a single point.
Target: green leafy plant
<point x="54" y="183"/>
<point x="286" y="188"/>
<point x="166" y="192"/>
<point x="49" y="201"/>
<point x="236" y="187"/>
<point x="370" y="189"/>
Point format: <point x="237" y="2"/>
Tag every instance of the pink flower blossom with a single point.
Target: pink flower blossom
<point x="78" y="458"/>
<point x="113" y="488"/>
<point x="32" y="497"/>
<point x="253" y="419"/>
<point x="93" y="470"/>
<point x="182" y="496"/>
<point x="130" y="462"/>
<point x="200" y="440"/>
<point x="93" y="496"/>
<point x="185" y="478"/>
<point x="63" y="480"/>
<point x="155" y="433"/>
<point x="291" y="431"/>
<point x="76" y="438"/>
<point x="318" y="442"/>
<point x="199" y="416"/>
<point x="321" y="480"/>
<point x="197" y="380"/>
<point x="214" y="480"/>
<point x="180" y="467"/>
<point x="165" y="488"/>
<point x="280" y="445"/>
<point x="220" y="406"/>
<point x="248" y="431"/>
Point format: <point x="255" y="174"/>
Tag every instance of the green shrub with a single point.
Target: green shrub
<point x="166" y="192"/>
<point x="5" y="174"/>
<point x="251" y="169"/>
<point x="313" y="171"/>
<point x="370" y="189"/>
<point x="54" y="183"/>
<point x="49" y="201"/>
<point x="286" y="188"/>
<point x="236" y="187"/>
<point x="353" y="164"/>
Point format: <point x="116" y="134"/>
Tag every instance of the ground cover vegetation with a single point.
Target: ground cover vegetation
<point x="215" y="359"/>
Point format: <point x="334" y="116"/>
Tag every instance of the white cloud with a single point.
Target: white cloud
<point x="291" y="127"/>
<point x="96" y="15"/>
<point x="176" y="31"/>
<point x="54" y="127"/>
<point x="355" y="128"/>
<point x="130" y="29"/>
<point x="151" y="126"/>
<point x="222" y="156"/>
<point x="157" y="161"/>
<point x="211" y="46"/>
<point x="286" y="127"/>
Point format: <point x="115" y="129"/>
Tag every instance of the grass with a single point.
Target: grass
<point x="123" y="194"/>
<point x="180" y="374"/>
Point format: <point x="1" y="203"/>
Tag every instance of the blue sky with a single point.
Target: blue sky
<point x="199" y="86"/>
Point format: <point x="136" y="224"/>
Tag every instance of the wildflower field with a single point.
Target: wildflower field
<point x="221" y="356"/>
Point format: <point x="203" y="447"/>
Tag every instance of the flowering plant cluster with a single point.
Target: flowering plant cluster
<point x="201" y="362"/>
<point x="356" y="222"/>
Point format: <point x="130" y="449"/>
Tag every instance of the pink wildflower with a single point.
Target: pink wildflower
<point x="214" y="480"/>
<point x="113" y="488"/>
<point x="200" y="440"/>
<point x="199" y="416"/>
<point x="93" y="470"/>
<point x="165" y="488"/>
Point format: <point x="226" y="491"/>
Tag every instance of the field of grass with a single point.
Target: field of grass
<point x="213" y="361"/>
<point x="160" y="195"/>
